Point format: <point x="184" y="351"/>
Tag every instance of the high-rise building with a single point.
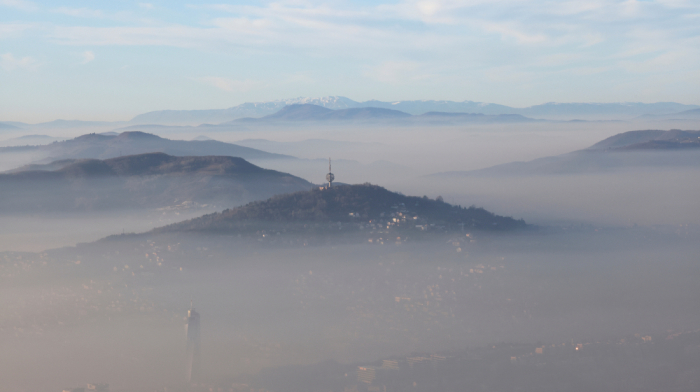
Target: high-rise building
<point x="193" y="359"/>
<point x="366" y="374"/>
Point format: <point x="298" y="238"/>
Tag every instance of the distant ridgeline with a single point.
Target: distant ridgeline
<point x="674" y="139"/>
<point x="366" y="209"/>
<point x="153" y="180"/>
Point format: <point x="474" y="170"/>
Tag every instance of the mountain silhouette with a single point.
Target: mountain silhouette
<point x="105" y="146"/>
<point x="353" y="205"/>
<point x="152" y="180"/>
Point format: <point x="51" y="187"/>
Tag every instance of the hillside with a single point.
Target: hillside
<point x="650" y="140"/>
<point x="628" y="150"/>
<point x="626" y="139"/>
<point x="105" y="146"/>
<point x="351" y="208"/>
<point x="29" y="140"/>
<point x="153" y="180"/>
<point x="695" y="113"/>
<point x="472" y="117"/>
<point x="6" y="126"/>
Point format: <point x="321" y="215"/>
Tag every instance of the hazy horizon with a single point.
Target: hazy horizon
<point x="127" y="118"/>
<point x="491" y="196"/>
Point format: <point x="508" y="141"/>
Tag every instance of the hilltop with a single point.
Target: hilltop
<point x="153" y="180"/>
<point x="144" y="165"/>
<point x="105" y="146"/>
<point x="367" y="209"/>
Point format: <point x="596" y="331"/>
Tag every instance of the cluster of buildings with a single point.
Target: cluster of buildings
<point x="634" y="363"/>
<point x="90" y="388"/>
<point x="393" y="373"/>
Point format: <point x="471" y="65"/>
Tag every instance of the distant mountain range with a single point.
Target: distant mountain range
<point x="550" y="111"/>
<point x="558" y="111"/>
<point x="153" y="180"/>
<point x="295" y="114"/>
<point x="650" y="140"/>
<point x="315" y="113"/>
<point x="311" y="146"/>
<point x="104" y="146"/>
<point x="8" y="126"/>
<point x="309" y="112"/>
<point x="30" y="140"/>
<point x="111" y="145"/>
<point x="361" y="209"/>
<point x="684" y="115"/>
<point x="634" y="149"/>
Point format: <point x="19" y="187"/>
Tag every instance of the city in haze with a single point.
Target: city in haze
<point x="337" y="196"/>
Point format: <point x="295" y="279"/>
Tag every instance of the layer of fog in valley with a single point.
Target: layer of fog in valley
<point x="113" y="312"/>
<point x="406" y="158"/>
<point x="611" y="255"/>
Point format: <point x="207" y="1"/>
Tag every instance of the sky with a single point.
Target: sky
<point x="112" y="60"/>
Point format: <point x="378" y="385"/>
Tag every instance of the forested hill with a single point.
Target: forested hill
<point x="144" y="181"/>
<point x="357" y="205"/>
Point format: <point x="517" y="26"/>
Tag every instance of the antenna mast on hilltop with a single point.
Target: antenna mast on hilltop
<point x="330" y="177"/>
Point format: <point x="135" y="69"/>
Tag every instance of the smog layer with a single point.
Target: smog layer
<point x="551" y="254"/>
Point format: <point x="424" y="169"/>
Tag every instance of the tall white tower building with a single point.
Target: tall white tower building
<point x="193" y="359"/>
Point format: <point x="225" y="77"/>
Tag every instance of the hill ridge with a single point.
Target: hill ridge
<point x="144" y="164"/>
<point x="152" y="180"/>
<point x="415" y="107"/>
<point x="356" y="205"/>
<point x="101" y="146"/>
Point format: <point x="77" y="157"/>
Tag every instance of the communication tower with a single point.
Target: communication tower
<point x="193" y="359"/>
<point x="330" y="177"/>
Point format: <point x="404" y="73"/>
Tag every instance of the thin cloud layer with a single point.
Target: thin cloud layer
<point x="23" y="5"/>
<point x="88" y="56"/>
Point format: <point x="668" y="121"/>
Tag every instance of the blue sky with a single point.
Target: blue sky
<point x="111" y="60"/>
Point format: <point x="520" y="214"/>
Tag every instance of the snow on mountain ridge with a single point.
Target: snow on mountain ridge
<point x="549" y="110"/>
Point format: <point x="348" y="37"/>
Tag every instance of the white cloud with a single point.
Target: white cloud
<point x="8" y="62"/>
<point x="435" y="12"/>
<point x="230" y="85"/>
<point x="87" y="56"/>
<point x="19" y="4"/>
<point x="509" y="31"/>
<point x="80" y="12"/>
<point x="576" y="7"/>
<point x="146" y="6"/>
<point x="12" y="30"/>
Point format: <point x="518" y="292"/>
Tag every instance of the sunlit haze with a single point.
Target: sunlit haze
<point x="308" y="196"/>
